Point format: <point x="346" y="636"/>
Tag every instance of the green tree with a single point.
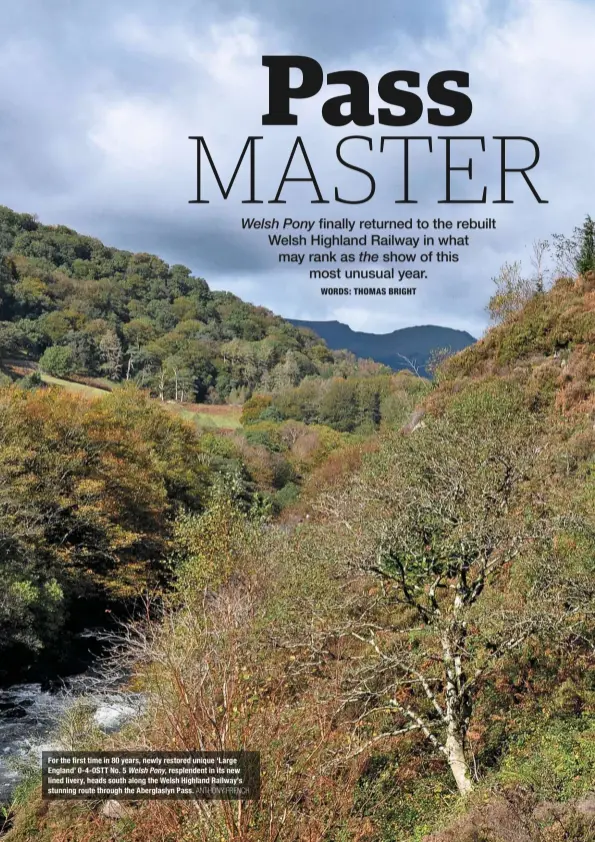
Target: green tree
<point x="339" y="406"/>
<point x="6" y="288"/>
<point x="110" y="349"/>
<point x="55" y="325"/>
<point x="31" y="381"/>
<point x="139" y="331"/>
<point x="253" y="408"/>
<point x="85" y="352"/>
<point x="57" y="360"/>
<point x="13" y="339"/>
<point x="586" y="258"/>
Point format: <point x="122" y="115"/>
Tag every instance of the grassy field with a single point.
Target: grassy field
<point x="207" y="416"/>
<point x="82" y="389"/>
<point x="203" y="416"/>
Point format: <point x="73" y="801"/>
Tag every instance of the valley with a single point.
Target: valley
<point x="382" y="580"/>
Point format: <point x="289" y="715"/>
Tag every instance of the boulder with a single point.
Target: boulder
<point x="113" y="809"/>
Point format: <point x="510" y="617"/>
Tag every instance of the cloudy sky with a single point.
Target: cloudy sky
<point x="97" y="100"/>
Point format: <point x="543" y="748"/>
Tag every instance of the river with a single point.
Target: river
<point x="30" y="713"/>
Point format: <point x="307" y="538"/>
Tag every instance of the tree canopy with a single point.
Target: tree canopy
<point x="134" y="317"/>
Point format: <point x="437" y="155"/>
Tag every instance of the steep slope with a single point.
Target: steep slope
<point x="87" y="309"/>
<point x="413" y="343"/>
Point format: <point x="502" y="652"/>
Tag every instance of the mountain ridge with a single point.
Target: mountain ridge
<point x="415" y="343"/>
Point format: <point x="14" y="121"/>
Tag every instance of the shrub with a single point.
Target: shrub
<point x="253" y="408"/>
<point x="555" y="759"/>
<point x="265" y="434"/>
<point x="31" y="381"/>
<point x="286" y="496"/>
<point x="57" y="361"/>
<point x="271" y="413"/>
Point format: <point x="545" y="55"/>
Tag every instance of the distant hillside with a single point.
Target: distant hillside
<point x="414" y="343"/>
<point x="82" y="308"/>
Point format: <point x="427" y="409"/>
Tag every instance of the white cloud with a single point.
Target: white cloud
<point x="531" y="73"/>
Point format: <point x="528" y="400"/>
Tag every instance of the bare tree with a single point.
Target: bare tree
<point x="161" y="381"/>
<point x="567" y="253"/>
<point x="175" y="371"/>
<point x="440" y="520"/>
<point x="436" y="358"/>
<point x="513" y="291"/>
<point x="540" y="250"/>
<point x="411" y="365"/>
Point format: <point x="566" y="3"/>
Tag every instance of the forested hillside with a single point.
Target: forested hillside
<point x="86" y="309"/>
